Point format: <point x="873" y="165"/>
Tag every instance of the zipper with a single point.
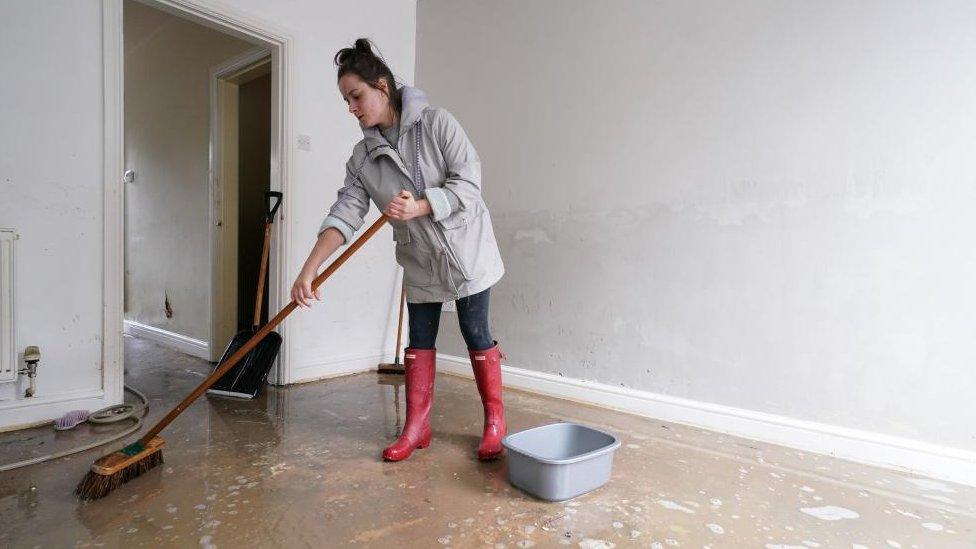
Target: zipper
<point x="419" y="179"/>
<point x="441" y="238"/>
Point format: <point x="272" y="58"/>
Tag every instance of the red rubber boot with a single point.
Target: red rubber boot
<point x="418" y="365"/>
<point x="487" y="367"/>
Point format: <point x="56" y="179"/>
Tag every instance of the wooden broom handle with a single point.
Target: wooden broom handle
<point x="403" y="296"/>
<point x="264" y="271"/>
<point x="256" y="338"/>
<point x="268" y="220"/>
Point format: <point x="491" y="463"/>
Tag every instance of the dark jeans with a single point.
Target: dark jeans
<point x="472" y="311"/>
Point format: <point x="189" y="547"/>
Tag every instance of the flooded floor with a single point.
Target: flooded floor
<point x="300" y="467"/>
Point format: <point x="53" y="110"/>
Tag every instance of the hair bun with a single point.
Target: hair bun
<point x="361" y="49"/>
<point x="363" y="45"/>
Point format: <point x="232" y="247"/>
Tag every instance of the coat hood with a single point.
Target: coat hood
<point x="413" y="102"/>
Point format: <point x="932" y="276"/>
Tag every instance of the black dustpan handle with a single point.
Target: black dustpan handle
<point x="269" y="219"/>
<point x="268" y="195"/>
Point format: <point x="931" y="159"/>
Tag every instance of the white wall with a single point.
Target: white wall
<point x="167" y="142"/>
<point x="52" y="185"/>
<point x="764" y="205"/>
<point x="51" y="193"/>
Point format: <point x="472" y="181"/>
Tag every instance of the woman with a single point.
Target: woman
<point x="416" y="163"/>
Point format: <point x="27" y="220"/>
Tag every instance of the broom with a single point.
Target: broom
<point x="396" y="367"/>
<point x="111" y="471"/>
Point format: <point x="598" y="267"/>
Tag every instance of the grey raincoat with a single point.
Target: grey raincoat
<point x="452" y="252"/>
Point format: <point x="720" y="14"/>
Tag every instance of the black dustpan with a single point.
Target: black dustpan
<point x="246" y="378"/>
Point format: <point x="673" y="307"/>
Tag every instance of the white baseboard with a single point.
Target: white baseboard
<point x="19" y="413"/>
<point x="188" y="345"/>
<point x="876" y="449"/>
<point x="336" y="366"/>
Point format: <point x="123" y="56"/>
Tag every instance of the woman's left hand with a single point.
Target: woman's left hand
<point x="405" y="207"/>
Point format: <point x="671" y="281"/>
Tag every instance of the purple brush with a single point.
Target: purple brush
<point x="71" y="420"/>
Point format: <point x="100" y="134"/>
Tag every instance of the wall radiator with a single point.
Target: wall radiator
<point x="8" y="357"/>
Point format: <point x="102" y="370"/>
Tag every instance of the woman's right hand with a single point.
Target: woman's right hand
<point x="301" y="290"/>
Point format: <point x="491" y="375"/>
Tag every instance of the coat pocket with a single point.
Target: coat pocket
<point x="418" y="265"/>
<point x="455" y="220"/>
<point x="401" y="235"/>
<point x="463" y="217"/>
<point x="462" y="231"/>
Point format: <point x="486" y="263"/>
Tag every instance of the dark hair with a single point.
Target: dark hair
<point x="361" y="61"/>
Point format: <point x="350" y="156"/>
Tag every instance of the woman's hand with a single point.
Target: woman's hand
<point x="405" y="207"/>
<point x="301" y="290"/>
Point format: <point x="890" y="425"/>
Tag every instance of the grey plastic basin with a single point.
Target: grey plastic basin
<point x="560" y="461"/>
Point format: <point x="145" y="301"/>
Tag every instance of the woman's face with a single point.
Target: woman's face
<point x="369" y="105"/>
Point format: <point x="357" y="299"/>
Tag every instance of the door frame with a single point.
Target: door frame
<point x="262" y="34"/>
<point x="224" y="193"/>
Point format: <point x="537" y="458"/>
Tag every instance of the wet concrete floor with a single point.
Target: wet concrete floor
<point x="300" y="467"/>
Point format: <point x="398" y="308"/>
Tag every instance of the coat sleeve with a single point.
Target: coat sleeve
<point x="462" y="184"/>
<point x="349" y="210"/>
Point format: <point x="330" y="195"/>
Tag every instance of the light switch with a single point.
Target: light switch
<point x="304" y="143"/>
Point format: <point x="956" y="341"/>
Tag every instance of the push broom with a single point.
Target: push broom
<point x="396" y="367"/>
<point x="111" y="471"/>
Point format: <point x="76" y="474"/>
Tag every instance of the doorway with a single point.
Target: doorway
<point x="265" y="79"/>
<point x="240" y="178"/>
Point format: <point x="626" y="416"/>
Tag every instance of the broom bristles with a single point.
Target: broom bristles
<point x="96" y="485"/>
